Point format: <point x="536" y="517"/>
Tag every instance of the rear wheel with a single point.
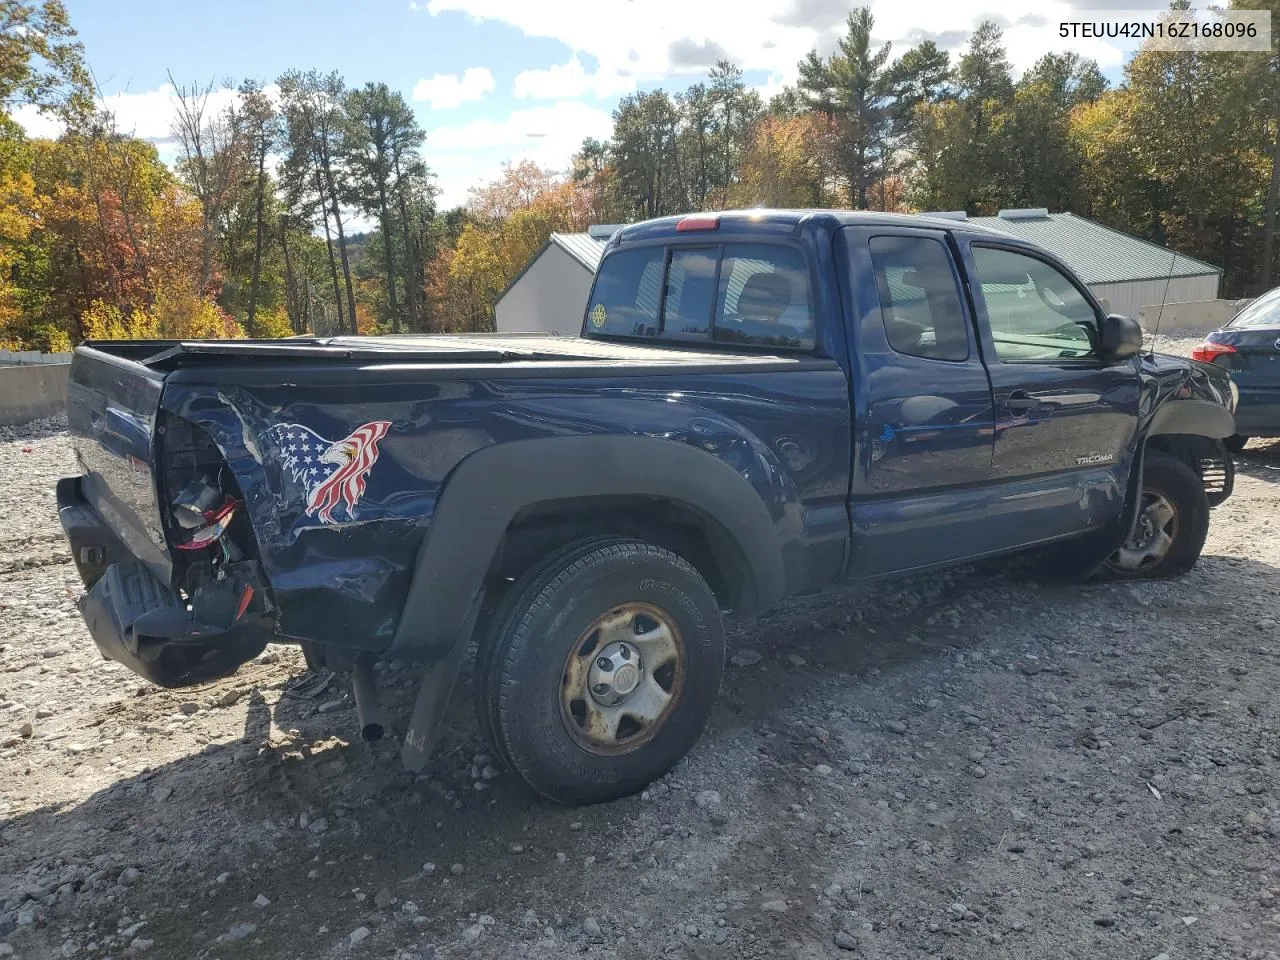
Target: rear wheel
<point x="1235" y="443"/>
<point x="1172" y="523"/>
<point x="499" y="603"/>
<point x="603" y="670"/>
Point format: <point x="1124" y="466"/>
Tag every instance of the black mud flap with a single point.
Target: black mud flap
<point x="138" y="621"/>
<point x="429" y="709"/>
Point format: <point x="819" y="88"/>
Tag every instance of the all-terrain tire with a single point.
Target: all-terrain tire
<point x="553" y="619"/>
<point x="496" y="609"/>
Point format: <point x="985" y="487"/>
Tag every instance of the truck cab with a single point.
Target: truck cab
<point x="994" y="403"/>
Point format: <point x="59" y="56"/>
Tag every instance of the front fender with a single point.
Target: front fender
<point x="1185" y="396"/>
<point x="491" y="486"/>
<point x="1202" y="418"/>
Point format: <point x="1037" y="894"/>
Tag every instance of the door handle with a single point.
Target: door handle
<point x="1019" y="401"/>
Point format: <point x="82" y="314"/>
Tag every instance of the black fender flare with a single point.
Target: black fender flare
<point x="486" y="491"/>
<point x="1198" y="417"/>
<point x="1201" y="418"/>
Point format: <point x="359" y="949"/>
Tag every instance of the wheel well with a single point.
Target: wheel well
<point x="1206" y="456"/>
<point x="538" y="529"/>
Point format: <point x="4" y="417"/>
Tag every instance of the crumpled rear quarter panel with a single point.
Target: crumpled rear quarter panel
<point x="344" y="580"/>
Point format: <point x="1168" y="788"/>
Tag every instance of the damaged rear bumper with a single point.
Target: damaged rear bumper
<point x="137" y="620"/>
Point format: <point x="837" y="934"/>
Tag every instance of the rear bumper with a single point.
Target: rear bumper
<point x="93" y="544"/>
<point x="1258" y="411"/>
<point x="137" y="620"/>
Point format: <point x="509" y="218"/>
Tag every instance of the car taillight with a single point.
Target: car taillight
<point x="1208" y="352"/>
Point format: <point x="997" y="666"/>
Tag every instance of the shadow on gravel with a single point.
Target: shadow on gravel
<point x="336" y="835"/>
<point x="1260" y="460"/>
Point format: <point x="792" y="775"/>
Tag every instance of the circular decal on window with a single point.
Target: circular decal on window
<point x="598" y="316"/>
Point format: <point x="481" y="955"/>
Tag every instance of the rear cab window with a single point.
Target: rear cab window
<point x="748" y="294"/>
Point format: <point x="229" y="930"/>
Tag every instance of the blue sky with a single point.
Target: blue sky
<point x="501" y="80"/>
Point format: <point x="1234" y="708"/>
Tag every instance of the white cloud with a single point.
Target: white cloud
<point x="148" y="115"/>
<point x="447" y="90"/>
<point x="471" y="154"/>
<point x="569" y="80"/>
<point x="537" y="127"/>
<point x="662" y="40"/>
<point x="35" y="123"/>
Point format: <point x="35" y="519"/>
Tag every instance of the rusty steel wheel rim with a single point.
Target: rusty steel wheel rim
<point x="622" y="679"/>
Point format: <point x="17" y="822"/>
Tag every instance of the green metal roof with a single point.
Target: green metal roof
<point x="1096" y="253"/>
<point x="583" y="247"/>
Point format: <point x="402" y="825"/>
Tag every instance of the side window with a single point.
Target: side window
<point x="1036" y="312"/>
<point x="628" y="294"/>
<point x="923" y="315"/>
<point x="764" y="297"/>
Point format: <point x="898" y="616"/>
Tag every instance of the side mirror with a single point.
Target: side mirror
<point x="1121" y="338"/>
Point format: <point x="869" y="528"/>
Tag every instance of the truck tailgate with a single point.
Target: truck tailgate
<point x="112" y="403"/>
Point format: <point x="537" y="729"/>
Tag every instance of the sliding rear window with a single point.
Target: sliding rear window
<point x="734" y="293"/>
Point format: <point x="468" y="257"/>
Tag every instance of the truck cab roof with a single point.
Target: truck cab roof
<point x="760" y="223"/>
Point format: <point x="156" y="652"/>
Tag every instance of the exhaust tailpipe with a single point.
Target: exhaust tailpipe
<point x="368" y="707"/>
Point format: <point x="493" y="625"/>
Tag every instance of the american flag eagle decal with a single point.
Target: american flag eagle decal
<point x="332" y="472"/>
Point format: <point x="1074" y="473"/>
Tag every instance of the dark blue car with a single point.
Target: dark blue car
<point x="760" y="404"/>
<point x="1249" y="349"/>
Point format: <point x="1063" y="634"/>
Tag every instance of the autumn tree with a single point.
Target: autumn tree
<point x="380" y="129"/>
<point x="312" y="109"/>
<point x="41" y="62"/>
<point x="646" y="155"/>
<point x="213" y="156"/>
<point x="734" y="111"/>
<point x="851" y="88"/>
<point x="1260" y="76"/>
<point x="789" y="163"/>
<point x="1044" y="160"/>
<point x="595" y="178"/>
<point x="262" y="131"/>
<point x="703" y="165"/>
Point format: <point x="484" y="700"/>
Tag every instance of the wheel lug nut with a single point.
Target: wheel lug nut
<point x="601" y="688"/>
<point x="604" y="663"/>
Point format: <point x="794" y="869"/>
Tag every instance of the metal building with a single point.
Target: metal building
<point x="550" y="293"/>
<point x="1125" y="272"/>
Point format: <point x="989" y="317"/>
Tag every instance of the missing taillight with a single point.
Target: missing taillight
<point x="216" y="521"/>
<point x="193" y="504"/>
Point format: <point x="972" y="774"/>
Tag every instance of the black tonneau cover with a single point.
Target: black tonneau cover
<point x="471" y="348"/>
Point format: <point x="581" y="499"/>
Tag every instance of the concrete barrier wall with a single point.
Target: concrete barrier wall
<point x="32" y="356"/>
<point x="32" y="392"/>
<point x="1202" y="316"/>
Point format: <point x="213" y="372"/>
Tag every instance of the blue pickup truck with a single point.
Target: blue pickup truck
<point x="759" y="404"/>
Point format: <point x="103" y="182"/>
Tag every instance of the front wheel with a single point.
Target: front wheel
<point x="1172" y="523"/>
<point x="604" y="670"/>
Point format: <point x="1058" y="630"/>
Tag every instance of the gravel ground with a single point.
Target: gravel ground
<point x="967" y="765"/>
